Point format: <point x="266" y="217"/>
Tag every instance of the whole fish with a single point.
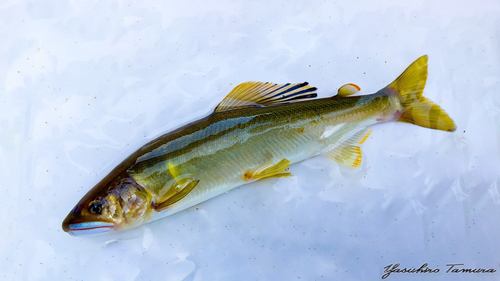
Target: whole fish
<point x="255" y="133"/>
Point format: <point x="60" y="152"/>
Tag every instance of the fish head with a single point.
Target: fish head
<point x="111" y="205"/>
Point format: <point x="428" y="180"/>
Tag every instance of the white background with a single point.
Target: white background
<point x="85" y="83"/>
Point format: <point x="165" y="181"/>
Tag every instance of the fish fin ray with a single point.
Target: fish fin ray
<point x="252" y="94"/>
<point x="269" y="171"/>
<point x="427" y="114"/>
<point x="411" y="83"/>
<point x="417" y="109"/>
<point x="361" y="136"/>
<point x="280" y="175"/>
<point x="349" y="152"/>
<point x="348" y="89"/>
<point x="177" y="191"/>
<point x="349" y="155"/>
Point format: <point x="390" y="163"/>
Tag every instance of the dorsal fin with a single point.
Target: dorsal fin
<point x="348" y="89"/>
<point x="264" y="93"/>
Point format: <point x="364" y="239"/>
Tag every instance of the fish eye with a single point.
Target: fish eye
<point x="95" y="207"/>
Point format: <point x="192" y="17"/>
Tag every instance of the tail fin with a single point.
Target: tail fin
<point x="419" y="110"/>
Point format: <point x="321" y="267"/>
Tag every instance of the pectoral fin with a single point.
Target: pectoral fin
<point x="175" y="193"/>
<point x="349" y="152"/>
<point x="269" y="171"/>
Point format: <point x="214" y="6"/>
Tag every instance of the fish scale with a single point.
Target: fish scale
<point x="281" y="145"/>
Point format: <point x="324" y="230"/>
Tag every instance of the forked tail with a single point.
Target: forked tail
<point x="419" y="110"/>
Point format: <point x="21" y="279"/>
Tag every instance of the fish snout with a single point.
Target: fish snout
<point x="67" y="221"/>
<point x="76" y="225"/>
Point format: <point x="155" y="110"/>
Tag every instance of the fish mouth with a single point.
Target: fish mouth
<point x="88" y="228"/>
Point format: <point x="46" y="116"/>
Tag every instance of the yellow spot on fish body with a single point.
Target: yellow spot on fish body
<point x="172" y="170"/>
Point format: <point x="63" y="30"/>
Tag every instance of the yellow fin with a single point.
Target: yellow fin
<point x="349" y="155"/>
<point x="410" y="84"/>
<point x="362" y="136"/>
<point x="273" y="171"/>
<point x="175" y="193"/>
<point x="427" y="114"/>
<point x="348" y="152"/>
<point x="418" y="110"/>
<point x="348" y="89"/>
<point x="250" y="94"/>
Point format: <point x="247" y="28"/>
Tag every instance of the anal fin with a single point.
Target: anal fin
<point x="349" y="152"/>
<point x="349" y="155"/>
<point x="269" y="171"/>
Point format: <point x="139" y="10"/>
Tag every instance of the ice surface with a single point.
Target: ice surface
<point x="85" y="83"/>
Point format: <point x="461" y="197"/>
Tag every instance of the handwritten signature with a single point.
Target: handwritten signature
<point x="452" y="268"/>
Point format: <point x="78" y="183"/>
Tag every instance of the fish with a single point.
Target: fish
<point x="256" y="132"/>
